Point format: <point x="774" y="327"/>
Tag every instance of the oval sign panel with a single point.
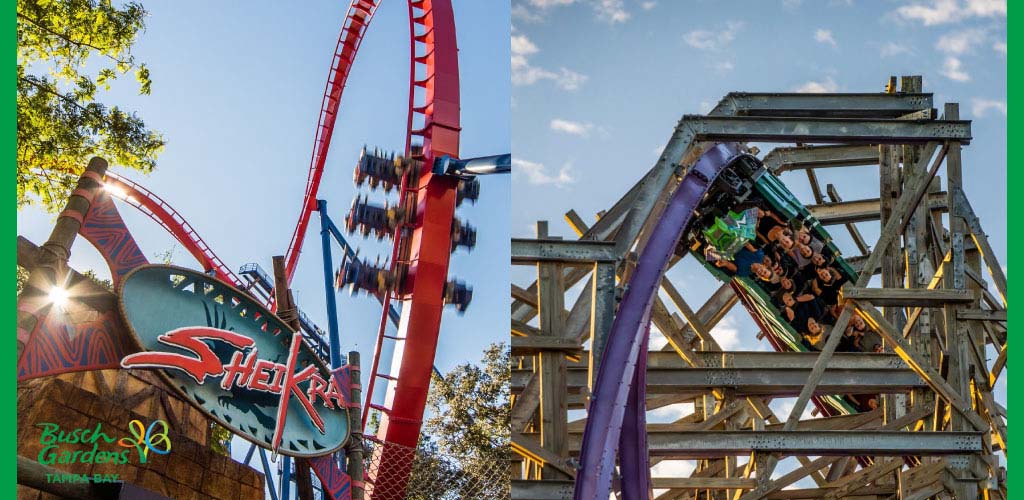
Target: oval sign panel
<point x="234" y="360"/>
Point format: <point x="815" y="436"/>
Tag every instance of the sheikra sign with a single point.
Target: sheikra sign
<point x="234" y="360"/>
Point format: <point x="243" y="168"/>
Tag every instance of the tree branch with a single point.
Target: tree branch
<point x="66" y="38"/>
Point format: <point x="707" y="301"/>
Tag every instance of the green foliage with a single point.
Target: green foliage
<point x="470" y="411"/>
<point x="219" y="438"/>
<point x="60" y="126"/>
<point x="105" y="283"/>
<point x="464" y="449"/>
<point x="21" y="279"/>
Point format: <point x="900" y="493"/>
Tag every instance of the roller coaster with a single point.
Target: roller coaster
<point x="413" y="286"/>
<point x="869" y="374"/>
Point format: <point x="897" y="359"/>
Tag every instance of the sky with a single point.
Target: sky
<point x="599" y="85"/>
<point x="237" y="88"/>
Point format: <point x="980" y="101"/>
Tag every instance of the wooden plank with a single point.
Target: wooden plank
<point x="524" y="296"/>
<point x="704" y="483"/>
<point x="930" y="376"/>
<point x="534" y="344"/>
<point x="908" y="201"/>
<point x="525" y="405"/>
<point x="520" y="329"/>
<point x="981" y="315"/>
<point x="870" y="474"/>
<point x="551" y="366"/>
<point x="576" y="223"/>
<point x="530" y="449"/>
<point x="910" y="297"/>
<point x="858" y="239"/>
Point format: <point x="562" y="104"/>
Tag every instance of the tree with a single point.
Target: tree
<point x="60" y="125"/>
<point x="464" y="449"/>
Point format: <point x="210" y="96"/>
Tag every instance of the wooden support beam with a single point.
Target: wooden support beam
<point x="524" y="296"/>
<point x="864" y="476"/>
<point x="908" y="201"/>
<point x="526" y="404"/>
<point x="534" y="344"/>
<point x="981" y="242"/>
<point x="981" y="315"/>
<point x="831" y="105"/>
<point x="576" y="223"/>
<point x="910" y="297"/>
<point x="840" y="130"/>
<point x="520" y="329"/>
<point x="701" y="445"/>
<point x="704" y="483"/>
<point x="776" y="382"/>
<point x="785" y="159"/>
<point x="858" y="239"/>
<point x="910" y="356"/>
<point x="530" y="251"/>
<point x="848" y="212"/>
<point x="530" y="449"/>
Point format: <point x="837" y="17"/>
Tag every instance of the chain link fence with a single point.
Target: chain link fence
<point x="429" y="474"/>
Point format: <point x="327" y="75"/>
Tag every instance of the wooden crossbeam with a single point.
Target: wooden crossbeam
<point x="911" y="296"/>
<point x="908" y="201"/>
<point x="930" y="376"/>
<point x="532" y="450"/>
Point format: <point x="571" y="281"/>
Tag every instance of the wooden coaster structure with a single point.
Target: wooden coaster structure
<point x="938" y="319"/>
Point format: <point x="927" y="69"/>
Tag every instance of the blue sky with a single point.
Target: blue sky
<point x="599" y="85"/>
<point x="237" y="90"/>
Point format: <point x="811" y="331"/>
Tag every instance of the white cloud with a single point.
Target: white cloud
<point x="648" y="5"/>
<point x="893" y="49"/>
<point x="815" y="87"/>
<point x="523" y="13"/>
<point x="670" y="413"/>
<point x="783" y="407"/>
<point x="987" y="8"/>
<point x="544" y="4"/>
<point x="723" y="66"/>
<point x="948" y="11"/>
<point x="791" y="4"/>
<point x="522" y="46"/>
<point x="960" y="42"/>
<point x="706" y="106"/>
<point x="713" y="40"/>
<point x="979" y="107"/>
<point x="824" y="36"/>
<point x="523" y="73"/>
<point x="612" y="11"/>
<point x="673" y="468"/>
<point x="999" y="47"/>
<point x="536" y="173"/>
<point x="952" y="68"/>
<point x="570" y="127"/>
<point x="726" y="334"/>
<point x="939" y="12"/>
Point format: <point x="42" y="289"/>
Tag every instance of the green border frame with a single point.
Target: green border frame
<point x="9" y="419"/>
<point x="1014" y="226"/>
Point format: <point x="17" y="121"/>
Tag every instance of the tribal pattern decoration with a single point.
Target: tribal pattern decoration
<point x="105" y="229"/>
<point x="90" y="334"/>
<point x="337" y="484"/>
<point x="59" y="344"/>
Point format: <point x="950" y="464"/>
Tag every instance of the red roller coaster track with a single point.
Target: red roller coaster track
<point x="164" y="214"/>
<point x="435" y="120"/>
<point x="360" y="12"/>
<point x="434" y="68"/>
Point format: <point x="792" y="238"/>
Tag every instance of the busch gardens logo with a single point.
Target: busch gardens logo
<point x="105" y="448"/>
